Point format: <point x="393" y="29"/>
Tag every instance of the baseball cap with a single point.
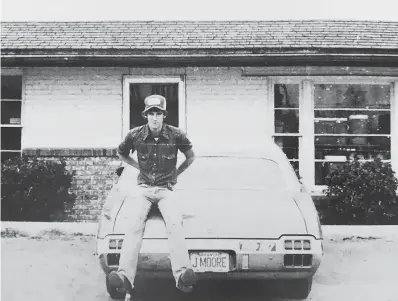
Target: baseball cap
<point x="155" y="101"/>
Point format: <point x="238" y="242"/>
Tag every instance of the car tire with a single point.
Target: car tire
<point x="297" y="288"/>
<point x="113" y="292"/>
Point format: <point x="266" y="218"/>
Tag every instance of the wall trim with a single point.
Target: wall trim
<point x="320" y="71"/>
<point x="70" y="152"/>
<point x="12" y="71"/>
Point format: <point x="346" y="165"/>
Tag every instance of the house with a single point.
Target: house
<point x="325" y="91"/>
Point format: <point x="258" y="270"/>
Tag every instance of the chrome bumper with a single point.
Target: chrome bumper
<point x="263" y="258"/>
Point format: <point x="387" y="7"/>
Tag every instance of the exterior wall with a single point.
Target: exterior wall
<point x="94" y="177"/>
<point x="72" y="107"/>
<point x="225" y="109"/>
<point x="79" y="111"/>
<point x="82" y="107"/>
<point x="76" y="110"/>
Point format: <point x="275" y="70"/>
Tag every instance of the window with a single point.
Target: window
<point x="321" y="123"/>
<point x="351" y="122"/>
<point x="286" y="116"/>
<point x="11" y="127"/>
<point x="136" y="88"/>
<point x="138" y="92"/>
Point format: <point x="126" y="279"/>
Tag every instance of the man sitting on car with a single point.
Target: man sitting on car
<point x="157" y="145"/>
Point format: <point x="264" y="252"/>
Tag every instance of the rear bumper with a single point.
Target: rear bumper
<point x="250" y="259"/>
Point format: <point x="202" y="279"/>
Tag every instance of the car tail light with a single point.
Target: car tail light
<point x="306" y="245"/>
<point x="297" y="260"/>
<point x="112" y="244"/>
<point x="297" y="245"/>
<point x="288" y="245"/>
<point x="115" y="244"/>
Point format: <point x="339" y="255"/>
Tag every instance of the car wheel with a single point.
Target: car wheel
<point x="297" y="288"/>
<point x="113" y="292"/>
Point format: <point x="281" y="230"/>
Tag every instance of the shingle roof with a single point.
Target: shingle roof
<point x="141" y="35"/>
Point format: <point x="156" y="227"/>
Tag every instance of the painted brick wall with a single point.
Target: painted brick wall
<point x="225" y="109"/>
<point x="72" y="107"/>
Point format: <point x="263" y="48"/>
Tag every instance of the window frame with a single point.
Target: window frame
<point x="307" y="114"/>
<point x="133" y="79"/>
<point x="15" y="72"/>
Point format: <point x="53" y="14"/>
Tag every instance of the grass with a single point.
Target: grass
<point x="52" y="234"/>
<point x="9" y="232"/>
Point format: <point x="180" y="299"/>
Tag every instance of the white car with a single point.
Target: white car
<point x="245" y="217"/>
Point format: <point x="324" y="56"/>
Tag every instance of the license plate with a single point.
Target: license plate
<point x="210" y="262"/>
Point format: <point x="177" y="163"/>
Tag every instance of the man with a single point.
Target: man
<point x="157" y="145"/>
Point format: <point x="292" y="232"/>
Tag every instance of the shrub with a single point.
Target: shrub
<point x="35" y="190"/>
<point x="362" y="193"/>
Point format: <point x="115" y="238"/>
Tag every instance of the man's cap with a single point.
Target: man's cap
<point x="155" y="101"/>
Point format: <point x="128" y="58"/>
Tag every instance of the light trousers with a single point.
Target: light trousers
<point x="148" y="196"/>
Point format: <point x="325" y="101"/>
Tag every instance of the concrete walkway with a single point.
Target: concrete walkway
<point x="90" y="228"/>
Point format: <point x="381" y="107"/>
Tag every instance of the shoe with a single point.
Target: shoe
<point x="120" y="282"/>
<point x="187" y="280"/>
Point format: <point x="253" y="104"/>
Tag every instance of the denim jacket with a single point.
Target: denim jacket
<point x="157" y="159"/>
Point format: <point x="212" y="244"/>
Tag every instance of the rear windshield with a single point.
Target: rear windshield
<point x="232" y="173"/>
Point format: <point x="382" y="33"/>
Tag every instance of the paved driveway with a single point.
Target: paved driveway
<point x="65" y="268"/>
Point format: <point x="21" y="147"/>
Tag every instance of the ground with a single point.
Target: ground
<point x="57" y="267"/>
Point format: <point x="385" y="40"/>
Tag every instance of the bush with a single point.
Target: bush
<point x="362" y="193"/>
<point x="35" y="190"/>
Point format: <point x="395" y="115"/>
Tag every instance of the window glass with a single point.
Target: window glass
<point x="351" y="122"/>
<point x="11" y="102"/>
<point x="10" y="138"/>
<point x="139" y="91"/>
<point x="286" y="104"/>
<point x="286" y="121"/>
<point x="289" y="145"/>
<point x="10" y="112"/>
<point x="352" y="96"/>
<point x="11" y="87"/>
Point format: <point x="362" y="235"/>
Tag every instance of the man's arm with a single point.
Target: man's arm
<point x="189" y="158"/>
<point x="129" y="160"/>
<point x="124" y="149"/>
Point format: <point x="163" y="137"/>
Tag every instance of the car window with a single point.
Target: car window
<point x="233" y="173"/>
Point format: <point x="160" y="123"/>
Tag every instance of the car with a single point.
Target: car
<point x="245" y="215"/>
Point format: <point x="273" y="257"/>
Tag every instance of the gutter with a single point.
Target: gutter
<point x="197" y="55"/>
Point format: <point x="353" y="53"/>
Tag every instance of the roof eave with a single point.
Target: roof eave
<point x="184" y="57"/>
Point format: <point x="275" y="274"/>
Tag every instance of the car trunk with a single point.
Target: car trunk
<point x="227" y="214"/>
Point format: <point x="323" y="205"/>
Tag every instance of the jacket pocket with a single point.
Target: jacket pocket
<point x="169" y="161"/>
<point x="143" y="160"/>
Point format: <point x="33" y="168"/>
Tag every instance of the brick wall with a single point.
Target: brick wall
<point x="94" y="177"/>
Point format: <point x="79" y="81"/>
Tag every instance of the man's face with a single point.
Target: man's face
<point x="155" y="119"/>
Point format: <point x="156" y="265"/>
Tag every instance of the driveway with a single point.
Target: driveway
<point x="64" y="268"/>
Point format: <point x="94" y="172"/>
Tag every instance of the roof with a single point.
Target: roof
<point x="199" y="34"/>
<point x="198" y="37"/>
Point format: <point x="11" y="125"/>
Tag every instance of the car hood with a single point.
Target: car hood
<point x="225" y="214"/>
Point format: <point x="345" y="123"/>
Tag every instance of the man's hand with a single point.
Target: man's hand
<point x="129" y="160"/>
<point x="189" y="158"/>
